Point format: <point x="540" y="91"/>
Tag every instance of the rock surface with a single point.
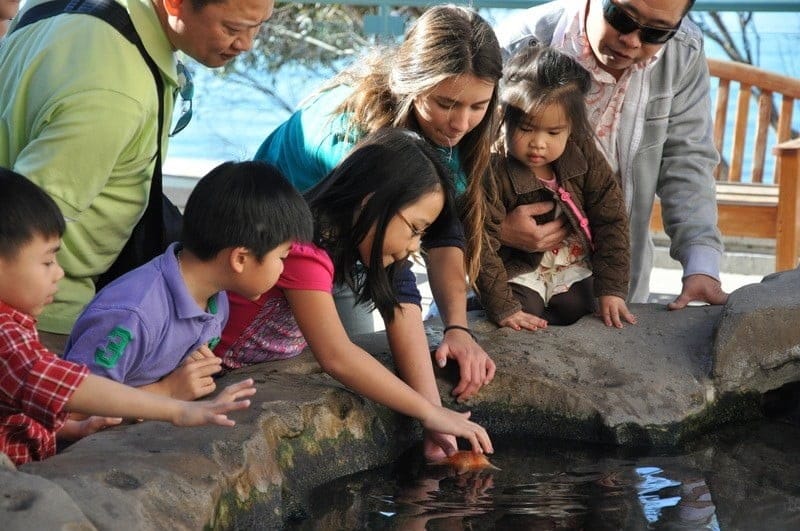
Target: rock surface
<point x="663" y="381"/>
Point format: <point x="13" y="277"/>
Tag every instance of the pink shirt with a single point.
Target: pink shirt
<point x="265" y="329"/>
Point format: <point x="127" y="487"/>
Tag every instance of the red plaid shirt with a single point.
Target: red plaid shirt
<point x="35" y="385"/>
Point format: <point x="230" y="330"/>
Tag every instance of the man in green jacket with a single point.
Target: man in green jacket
<point x="79" y="113"/>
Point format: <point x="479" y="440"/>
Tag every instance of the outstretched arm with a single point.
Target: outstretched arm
<point x="449" y="287"/>
<point x="100" y="396"/>
<point x="412" y="358"/>
<point x="315" y="313"/>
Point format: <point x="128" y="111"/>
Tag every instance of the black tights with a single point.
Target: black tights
<point x="564" y="308"/>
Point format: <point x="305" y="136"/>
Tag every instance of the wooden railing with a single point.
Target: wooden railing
<point x="747" y="206"/>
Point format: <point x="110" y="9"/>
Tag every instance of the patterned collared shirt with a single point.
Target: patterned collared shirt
<point x="607" y="94"/>
<point x="35" y="385"/>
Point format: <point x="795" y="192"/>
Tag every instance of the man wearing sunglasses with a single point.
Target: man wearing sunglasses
<point x="79" y="117"/>
<point x="651" y="109"/>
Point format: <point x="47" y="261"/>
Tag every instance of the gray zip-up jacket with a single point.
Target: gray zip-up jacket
<point x="672" y="153"/>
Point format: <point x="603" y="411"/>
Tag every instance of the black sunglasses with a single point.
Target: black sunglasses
<point x="621" y="21"/>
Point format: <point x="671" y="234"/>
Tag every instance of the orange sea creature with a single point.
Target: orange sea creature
<point x="465" y="461"/>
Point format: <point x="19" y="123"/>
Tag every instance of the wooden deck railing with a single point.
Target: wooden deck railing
<point x="747" y="206"/>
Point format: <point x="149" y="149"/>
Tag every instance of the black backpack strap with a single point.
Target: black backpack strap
<point x="106" y="10"/>
<point x="117" y="16"/>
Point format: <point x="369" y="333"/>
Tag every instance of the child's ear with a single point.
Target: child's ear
<point x="237" y="258"/>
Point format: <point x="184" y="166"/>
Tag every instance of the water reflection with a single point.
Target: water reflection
<point x="743" y="479"/>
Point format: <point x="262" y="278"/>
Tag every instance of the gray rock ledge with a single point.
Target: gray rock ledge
<point x="664" y="381"/>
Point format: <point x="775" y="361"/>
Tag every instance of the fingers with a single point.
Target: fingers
<point x="536" y="209"/>
<point x="238" y="390"/>
<point x="610" y="317"/>
<point x="680" y="302"/>
<point x="446" y="444"/>
<point x="471" y="381"/>
<point x="478" y="437"/>
<point x="226" y="407"/>
<point x="613" y="311"/>
<point x="94" y="424"/>
<point x="491" y="368"/>
<point x="441" y="357"/>
<point x="628" y="316"/>
<point x="534" y="323"/>
<point x="205" y="386"/>
<point x="205" y="366"/>
<point x="699" y="287"/>
<point x="222" y="420"/>
<point x="199" y="354"/>
<point x="522" y="320"/>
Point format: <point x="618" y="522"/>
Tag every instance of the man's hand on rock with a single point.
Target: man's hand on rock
<point x="702" y="288"/>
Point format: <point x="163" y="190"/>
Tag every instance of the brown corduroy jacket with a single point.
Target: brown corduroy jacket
<point x="584" y="173"/>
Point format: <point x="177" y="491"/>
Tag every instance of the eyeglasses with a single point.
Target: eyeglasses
<point x="415" y="232"/>
<point x="620" y="20"/>
<point x="186" y="90"/>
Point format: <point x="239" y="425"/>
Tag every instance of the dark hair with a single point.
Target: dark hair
<point x="390" y="168"/>
<point x="26" y="211"/>
<point x="248" y="204"/>
<point x="688" y="7"/>
<point x="538" y="76"/>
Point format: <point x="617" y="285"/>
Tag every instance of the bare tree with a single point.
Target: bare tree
<point x="309" y="42"/>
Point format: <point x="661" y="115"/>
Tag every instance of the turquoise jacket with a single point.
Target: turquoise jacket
<point x="314" y="139"/>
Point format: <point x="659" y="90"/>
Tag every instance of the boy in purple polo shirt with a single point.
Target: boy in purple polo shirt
<point x="38" y="389"/>
<point x="155" y="326"/>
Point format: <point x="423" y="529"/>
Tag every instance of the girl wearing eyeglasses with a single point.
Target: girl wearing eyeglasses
<point x="649" y="106"/>
<point x="369" y="216"/>
<point x="546" y="154"/>
<point x="440" y="82"/>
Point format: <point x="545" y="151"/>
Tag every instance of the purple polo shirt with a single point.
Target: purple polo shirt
<point x="139" y="328"/>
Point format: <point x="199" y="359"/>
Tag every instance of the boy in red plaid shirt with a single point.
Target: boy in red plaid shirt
<point x="38" y="389"/>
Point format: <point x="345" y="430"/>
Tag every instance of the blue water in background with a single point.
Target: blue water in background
<point x="231" y="120"/>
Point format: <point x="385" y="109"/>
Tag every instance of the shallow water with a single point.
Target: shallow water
<point x="743" y="478"/>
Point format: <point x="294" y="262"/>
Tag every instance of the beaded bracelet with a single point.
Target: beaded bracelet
<point x="459" y="327"/>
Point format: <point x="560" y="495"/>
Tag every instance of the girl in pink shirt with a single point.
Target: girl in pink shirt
<point x="369" y="214"/>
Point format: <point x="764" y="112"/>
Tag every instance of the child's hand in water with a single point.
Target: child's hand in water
<point x="519" y="320"/>
<point x="613" y="309"/>
<point x="436" y="446"/>
<point x="445" y="420"/>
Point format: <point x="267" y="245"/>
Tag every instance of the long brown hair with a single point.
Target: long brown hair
<point x="445" y="41"/>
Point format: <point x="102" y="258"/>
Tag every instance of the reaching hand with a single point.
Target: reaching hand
<point x="214" y="411"/>
<point x="520" y="230"/>
<point x="451" y="422"/>
<point x="519" y="320"/>
<point x="437" y="446"/>
<point x="79" y="426"/>
<point x="701" y="288"/>
<point x="475" y="367"/>
<point x="613" y="309"/>
<point x="200" y="354"/>
<point x="193" y="379"/>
